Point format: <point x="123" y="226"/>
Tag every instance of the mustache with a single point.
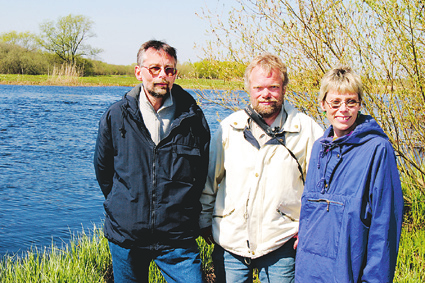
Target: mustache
<point x="161" y="82"/>
<point x="271" y="99"/>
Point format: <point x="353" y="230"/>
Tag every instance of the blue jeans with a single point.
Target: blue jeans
<point x="277" y="266"/>
<point x="176" y="265"/>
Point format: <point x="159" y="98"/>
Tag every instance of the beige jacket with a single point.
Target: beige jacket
<point x="252" y="196"/>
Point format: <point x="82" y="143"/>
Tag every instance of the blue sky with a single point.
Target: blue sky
<point x="121" y="25"/>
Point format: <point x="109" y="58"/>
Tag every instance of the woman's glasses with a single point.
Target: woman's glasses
<point x="335" y="104"/>
<point x="155" y="70"/>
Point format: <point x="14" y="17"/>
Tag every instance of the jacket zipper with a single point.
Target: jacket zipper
<point x="153" y="187"/>
<point x="328" y="202"/>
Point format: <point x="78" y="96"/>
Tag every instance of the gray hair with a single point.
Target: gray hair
<point x="157" y="45"/>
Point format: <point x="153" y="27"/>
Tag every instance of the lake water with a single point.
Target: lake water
<point x="48" y="189"/>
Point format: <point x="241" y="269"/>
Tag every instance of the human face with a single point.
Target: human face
<point x="156" y="85"/>
<point x="266" y="92"/>
<point x="343" y="118"/>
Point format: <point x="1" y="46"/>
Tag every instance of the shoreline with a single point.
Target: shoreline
<point x="105" y="81"/>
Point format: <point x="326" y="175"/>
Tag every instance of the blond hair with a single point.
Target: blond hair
<point x="341" y="79"/>
<point x="267" y="62"/>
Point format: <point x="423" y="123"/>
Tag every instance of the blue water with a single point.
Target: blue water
<point x="48" y="189"/>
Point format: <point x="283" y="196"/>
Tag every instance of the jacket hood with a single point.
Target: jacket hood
<point x="367" y="128"/>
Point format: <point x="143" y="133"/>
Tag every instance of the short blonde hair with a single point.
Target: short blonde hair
<point x="341" y="79"/>
<point x="267" y="62"/>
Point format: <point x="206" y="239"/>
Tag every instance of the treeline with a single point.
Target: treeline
<point x="212" y="69"/>
<point x="15" y="59"/>
<point x="62" y="45"/>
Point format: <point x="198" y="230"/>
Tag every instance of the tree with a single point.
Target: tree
<point x="26" y="40"/>
<point x="66" y="38"/>
<point x="382" y="40"/>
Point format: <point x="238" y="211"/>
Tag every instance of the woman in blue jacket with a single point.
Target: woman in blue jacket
<point x="352" y="205"/>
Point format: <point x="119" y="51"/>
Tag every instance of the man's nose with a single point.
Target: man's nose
<point x="162" y="73"/>
<point x="266" y="93"/>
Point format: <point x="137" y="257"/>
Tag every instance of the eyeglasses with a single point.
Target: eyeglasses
<point x="335" y="104"/>
<point x="155" y="70"/>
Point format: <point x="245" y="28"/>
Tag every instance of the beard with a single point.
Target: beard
<point x="158" y="91"/>
<point x="267" y="111"/>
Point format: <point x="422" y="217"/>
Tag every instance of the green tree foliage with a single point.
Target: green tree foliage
<point x="15" y="59"/>
<point x="215" y="69"/>
<point x="382" y="40"/>
<point x="26" y="40"/>
<point x="99" y="68"/>
<point x="67" y="38"/>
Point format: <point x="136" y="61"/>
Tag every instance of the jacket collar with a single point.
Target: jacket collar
<point x="185" y="103"/>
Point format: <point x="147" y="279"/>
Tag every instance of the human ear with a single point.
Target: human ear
<point x="322" y="105"/>
<point x="138" y="73"/>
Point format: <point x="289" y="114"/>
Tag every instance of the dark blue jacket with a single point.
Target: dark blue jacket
<point x="152" y="191"/>
<point x="351" y="209"/>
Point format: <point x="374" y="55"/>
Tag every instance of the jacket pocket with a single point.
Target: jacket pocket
<point x="186" y="161"/>
<point x="289" y="210"/>
<point x="321" y="229"/>
<point x="285" y="215"/>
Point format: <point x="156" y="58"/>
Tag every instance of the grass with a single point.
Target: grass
<point x="411" y="257"/>
<point x="87" y="259"/>
<point x="63" y="80"/>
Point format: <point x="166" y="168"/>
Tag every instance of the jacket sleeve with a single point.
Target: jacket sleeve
<point x="214" y="177"/>
<point x="386" y="209"/>
<point x="104" y="156"/>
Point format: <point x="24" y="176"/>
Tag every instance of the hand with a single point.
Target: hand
<point x="296" y="241"/>
<point x="206" y="233"/>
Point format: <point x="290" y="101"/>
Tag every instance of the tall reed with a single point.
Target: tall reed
<point x="66" y="74"/>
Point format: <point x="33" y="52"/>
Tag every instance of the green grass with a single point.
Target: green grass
<point x="87" y="259"/>
<point x="111" y="81"/>
<point x="411" y="257"/>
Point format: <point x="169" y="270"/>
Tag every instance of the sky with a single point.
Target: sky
<point x="121" y="26"/>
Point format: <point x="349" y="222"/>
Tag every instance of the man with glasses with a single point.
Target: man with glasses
<point x="151" y="160"/>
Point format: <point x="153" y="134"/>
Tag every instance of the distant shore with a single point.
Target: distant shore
<point x="7" y="79"/>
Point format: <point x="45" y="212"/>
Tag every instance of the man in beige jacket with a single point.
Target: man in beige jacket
<point x="251" y="201"/>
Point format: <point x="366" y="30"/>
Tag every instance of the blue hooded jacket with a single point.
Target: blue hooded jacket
<point x="351" y="211"/>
